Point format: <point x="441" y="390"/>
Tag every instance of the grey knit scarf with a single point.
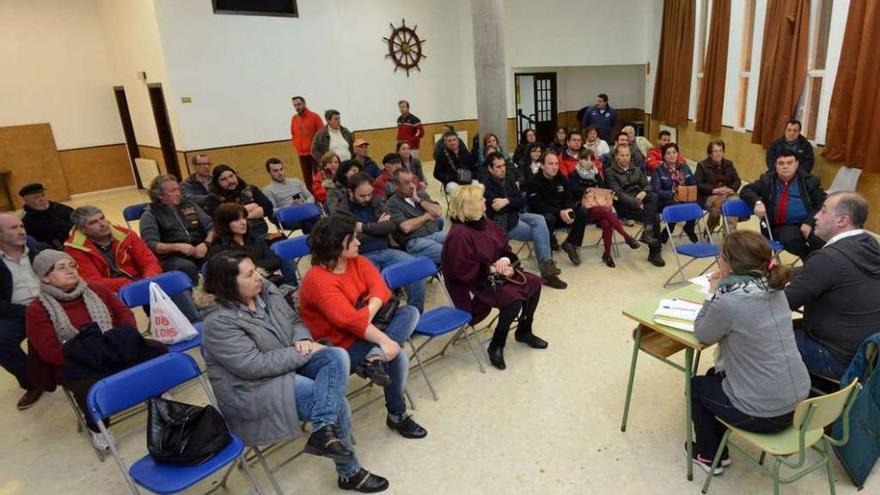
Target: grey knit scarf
<point x="64" y="329"/>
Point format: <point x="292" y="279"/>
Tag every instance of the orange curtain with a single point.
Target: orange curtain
<point x="672" y="85"/>
<point x="855" y="102"/>
<point x="783" y="67"/>
<point x="711" y="104"/>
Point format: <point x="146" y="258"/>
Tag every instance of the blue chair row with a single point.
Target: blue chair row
<point x="288" y="216"/>
<point x="687" y="212"/>
<point x="133" y="212"/>
<point x="738" y="208"/>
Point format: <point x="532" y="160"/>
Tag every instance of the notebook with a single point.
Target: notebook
<point x="677" y="313"/>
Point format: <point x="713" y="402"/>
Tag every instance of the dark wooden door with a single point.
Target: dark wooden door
<point x="163" y="126"/>
<point x="128" y="130"/>
<point x="545" y="106"/>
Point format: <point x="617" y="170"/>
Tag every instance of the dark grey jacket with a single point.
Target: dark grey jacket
<point x="839" y="289"/>
<point x="321" y="142"/>
<point x="371" y="231"/>
<point x="252" y="368"/>
<point x="402" y="211"/>
<point x="194" y="191"/>
<point x="186" y="223"/>
<point x="626" y="184"/>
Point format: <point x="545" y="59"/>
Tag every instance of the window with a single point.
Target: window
<point x="813" y="101"/>
<point x="745" y="70"/>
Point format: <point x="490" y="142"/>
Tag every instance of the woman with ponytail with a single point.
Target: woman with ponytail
<point x="759" y="376"/>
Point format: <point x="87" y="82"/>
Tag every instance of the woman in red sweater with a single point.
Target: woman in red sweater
<point x="340" y="296"/>
<point x="65" y="304"/>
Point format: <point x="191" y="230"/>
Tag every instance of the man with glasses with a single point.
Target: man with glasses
<point x="195" y="187"/>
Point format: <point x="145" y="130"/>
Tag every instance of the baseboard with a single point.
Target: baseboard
<point x="103" y="191"/>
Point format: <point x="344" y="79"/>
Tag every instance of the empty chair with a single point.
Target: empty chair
<point x="133" y="212"/>
<point x="292" y="250"/>
<point x="137" y="294"/>
<point x="288" y="216"/>
<point x="740" y="209"/>
<point x="150" y="380"/>
<point x="696" y="250"/>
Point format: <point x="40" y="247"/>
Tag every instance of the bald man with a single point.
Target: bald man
<point x="838" y="287"/>
<point x="19" y="285"/>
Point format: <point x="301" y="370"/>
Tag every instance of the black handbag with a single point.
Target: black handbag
<point x="383" y="317"/>
<point x="464" y="176"/>
<point x="184" y="434"/>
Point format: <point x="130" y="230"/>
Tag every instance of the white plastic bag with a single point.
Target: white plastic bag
<point x="167" y="324"/>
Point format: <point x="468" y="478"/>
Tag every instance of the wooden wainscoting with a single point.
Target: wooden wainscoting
<point x="96" y="168"/>
<point x="29" y="152"/>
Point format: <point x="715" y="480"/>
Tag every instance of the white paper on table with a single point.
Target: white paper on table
<point x="703" y="282"/>
<point x="678" y="309"/>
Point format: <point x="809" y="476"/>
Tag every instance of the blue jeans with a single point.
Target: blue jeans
<point x="320" y="398"/>
<point x="415" y="292"/>
<point x="401" y="327"/>
<point x="430" y="246"/>
<point x="532" y="227"/>
<point x="12" y="357"/>
<point x="288" y="271"/>
<point x="817" y="357"/>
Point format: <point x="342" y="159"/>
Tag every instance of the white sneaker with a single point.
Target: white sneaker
<point x="99" y="441"/>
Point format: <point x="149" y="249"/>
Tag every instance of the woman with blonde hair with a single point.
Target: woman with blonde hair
<point x="480" y="271"/>
<point x="759" y="377"/>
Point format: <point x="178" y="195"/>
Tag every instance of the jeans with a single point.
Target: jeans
<point x="288" y="271"/>
<point x="793" y="241"/>
<point x="401" y="327"/>
<point x="320" y="398"/>
<point x="12" y="357"/>
<point x="532" y="227"/>
<point x="816" y="356"/>
<point x="430" y="246"/>
<point x="709" y="400"/>
<point x="415" y="292"/>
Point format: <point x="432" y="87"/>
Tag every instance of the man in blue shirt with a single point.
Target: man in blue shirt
<point x="600" y="115"/>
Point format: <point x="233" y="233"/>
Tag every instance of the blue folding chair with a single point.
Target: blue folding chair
<point x="149" y="380"/>
<point x="174" y="282"/>
<point x="31" y="239"/>
<point x="289" y="215"/>
<point x="133" y="212"/>
<point x="696" y="250"/>
<point x="292" y="250"/>
<point x="740" y="209"/>
<point x="436" y="322"/>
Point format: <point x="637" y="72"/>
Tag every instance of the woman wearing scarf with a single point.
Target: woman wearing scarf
<point x="68" y="305"/>
<point x="762" y="378"/>
<point x="594" y="143"/>
<point x="669" y="176"/>
<point x="589" y="173"/>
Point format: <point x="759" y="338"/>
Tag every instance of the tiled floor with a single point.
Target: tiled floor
<point x="548" y="424"/>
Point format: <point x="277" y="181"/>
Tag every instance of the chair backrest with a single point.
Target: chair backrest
<point x="407" y="272"/>
<point x="736" y="208"/>
<point x="291" y="249"/>
<point x="31" y="239"/>
<point x="134" y="385"/>
<point x="826" y="408"/>
<point x="682" y="213"/>
<point x="297" y="213"/>
<point x="134" y="212"/>
<point x="137" y="293"/>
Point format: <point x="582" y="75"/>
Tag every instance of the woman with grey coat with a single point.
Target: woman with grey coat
<point x="268" y="374"/>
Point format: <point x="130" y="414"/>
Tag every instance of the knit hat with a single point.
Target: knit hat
<point x="47" y="258"/>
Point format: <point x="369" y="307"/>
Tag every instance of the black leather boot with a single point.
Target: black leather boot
<point x="496" y="356"/>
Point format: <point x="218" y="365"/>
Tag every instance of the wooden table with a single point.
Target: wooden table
<point x="662" y="342"/>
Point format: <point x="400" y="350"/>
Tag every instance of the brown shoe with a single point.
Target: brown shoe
<point x="572" y="251"/>
<point x="29" y="398"/>
<point x="554" y="282"/>
<point x="549" y="268"/>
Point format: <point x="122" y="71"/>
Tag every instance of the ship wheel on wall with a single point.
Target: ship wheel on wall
<point x="405" y="47"/>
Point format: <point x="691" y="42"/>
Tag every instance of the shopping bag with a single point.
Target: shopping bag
<point x="167" y="323"/>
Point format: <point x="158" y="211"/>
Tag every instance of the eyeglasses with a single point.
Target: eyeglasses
<point x="65" y="267"/>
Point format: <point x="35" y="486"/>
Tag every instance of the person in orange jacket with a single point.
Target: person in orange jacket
<point x="304" y="124"/>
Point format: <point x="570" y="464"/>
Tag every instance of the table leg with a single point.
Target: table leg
<point x="637" y="338"/>
<point x="688" y="370"/>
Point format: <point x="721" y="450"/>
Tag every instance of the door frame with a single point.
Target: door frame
<point x="533" y="119"/>
<point x="163" y="128"/>
<point x="131" y="144"/>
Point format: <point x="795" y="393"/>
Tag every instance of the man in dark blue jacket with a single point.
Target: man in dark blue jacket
<point x="600" y="115"/>
<point x="505" y="205"/>
<point x="19" y="285"/>
<point x="838" y="287"/>
<point x="796" y="143"/>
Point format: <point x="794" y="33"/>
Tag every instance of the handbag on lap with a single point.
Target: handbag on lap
<point x="686" y="194"/>
<point x="597" y="197"/>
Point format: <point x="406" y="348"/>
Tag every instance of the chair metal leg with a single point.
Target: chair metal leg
<point x="473" y="351"/>
<point x="828" y="467"/>
<point x="422" y="368"/>
<point x="637" y="338"/>
<point x="253" y="476"/>
<point x="697" y="363"/>
<point x="688" y="373"/>
<point x="81" y="427"/>
<point x="716" y="461"/>
<point x="412" y="403"/>
<point x="775" y="475"/>
<point x="265" y="465"/>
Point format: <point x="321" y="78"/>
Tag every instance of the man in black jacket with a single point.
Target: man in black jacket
<point x="47" y="221"/>
<point x="795" y="142"/>
<point x="634" y="199"/>
<point x="550" y="196"/>
<point x="505" y="205"/>
<point x="788" y="198"/>
<point x="838" y="287"/>
<point x="373" y="227"/>
<point x="19" y="285"/>
<point x="227" y="186"/>
<point x="451" y="158"/>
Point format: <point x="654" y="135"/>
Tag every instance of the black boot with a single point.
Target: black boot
<point x="496" y="356"/>
<point x="609" y="261"/>
<point x="363" y="481"/>
<point x="326" y="442"/>
<point x="655" y="257"/>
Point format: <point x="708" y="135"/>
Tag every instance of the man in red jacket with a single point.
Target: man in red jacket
<point x="114" y="256"/>
<point x="303" y="126"/>
<point x="409" y="128"/>
<point x="655" y="157"/>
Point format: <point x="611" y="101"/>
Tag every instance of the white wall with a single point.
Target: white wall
<point x="131" y="40"/>
<point x="624" y="85"/>
<point x="54" y="69"/>
<point x="241" y="71"/>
